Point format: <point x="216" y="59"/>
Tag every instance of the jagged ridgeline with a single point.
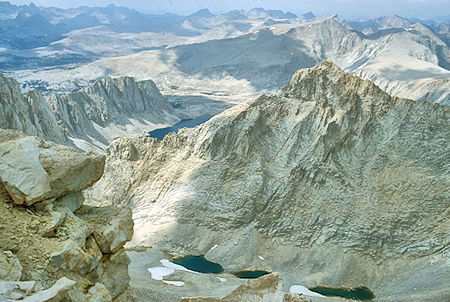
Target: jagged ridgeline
<point x="330" y="179"/>
<point x="89" y="118"/>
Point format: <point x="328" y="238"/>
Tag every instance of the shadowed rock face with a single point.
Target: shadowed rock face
<point x="344" y="176"/>
<point x="27" y="113"/>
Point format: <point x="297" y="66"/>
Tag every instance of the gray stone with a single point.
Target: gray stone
<point x="56" y="221"/>
<point x="69" y="170"/>
<point x="110" y="236"/>
<point x="73" y="201"/>
<point x="10" y="268"/>
<point x="27" y="286"/>
<point x="69" y="247"/>
<point x="34" y="170"/>
<point x="113" y="273"/>
<point x="55" y="293"/>
<point x="20" y="288"/>
<point x="21" y="172"/>
<point x="76" y="259"/>
<point x="99" y="293"/>
<point x="16" y="294"/>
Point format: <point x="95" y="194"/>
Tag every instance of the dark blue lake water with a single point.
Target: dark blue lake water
<point x="360" y="293"/>
<point x="199" y="264"/>
<point x="188" y="123"/>
<point x="250" y="274"/>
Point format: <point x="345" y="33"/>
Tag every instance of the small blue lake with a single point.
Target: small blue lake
<point x="359" y="293"/>
<point x="199" y="264"/>
<point x="187" y="123"/>
<point x="250" y="274"/>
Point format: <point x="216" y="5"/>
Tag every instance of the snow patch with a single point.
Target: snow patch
<point x="171" y="265"/>
<point x="168" y="264"/>
<point x="158" y="273"/>
<point x="300" y="289"/>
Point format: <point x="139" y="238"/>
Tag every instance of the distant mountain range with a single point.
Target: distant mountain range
<point x="29" y="26"/>
<point x="411" y="62"/>
<point x="238" y="52"/>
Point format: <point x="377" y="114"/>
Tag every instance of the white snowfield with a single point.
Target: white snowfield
<point x="168" y="264"/>
<point x="159" y="272"/>
<point x="302" y="290"/>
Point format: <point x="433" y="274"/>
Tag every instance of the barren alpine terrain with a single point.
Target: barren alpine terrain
<point x="256" y="155"/>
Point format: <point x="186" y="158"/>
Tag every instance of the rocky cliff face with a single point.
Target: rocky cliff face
<point x="27" y="113"/>
<point x="331" y="180"/>
<point x="112" y="108"/>
<point x="53" y="247"/>
<point x="90" y="118"/>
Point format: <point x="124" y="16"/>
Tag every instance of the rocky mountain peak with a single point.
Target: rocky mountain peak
<point x="109" y="98"/>
<point x="327" y="80"/>
<point x="98" y="114"/>
<point x="111" y="108"/>
<point x="326" y="135"/>
<point x="316" y="172"/>
<point x="202" y="13"/>
<point x="309" y="15"/>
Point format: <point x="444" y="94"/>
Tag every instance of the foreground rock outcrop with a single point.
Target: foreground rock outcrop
<point x="34" y="170"/>
<point x="331" y="181"/>
<point x="52" y="246"/>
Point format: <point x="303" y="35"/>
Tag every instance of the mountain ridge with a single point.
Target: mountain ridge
<point x="407" y="62"/>
<point x="318" y="170"/>
<point x="111" y="108"/>
<point x="89" y="118"/>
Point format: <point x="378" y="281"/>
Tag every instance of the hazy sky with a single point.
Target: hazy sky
<point x="344" y="8"/>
